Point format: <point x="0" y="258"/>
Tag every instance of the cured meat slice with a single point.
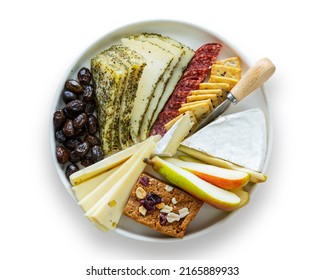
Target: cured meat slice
<point x="195" y="73"/>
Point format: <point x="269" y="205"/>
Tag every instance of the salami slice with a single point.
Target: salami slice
<point x="195" y="73"/>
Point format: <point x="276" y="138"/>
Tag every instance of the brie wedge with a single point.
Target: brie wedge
<point x="239" y="138"/>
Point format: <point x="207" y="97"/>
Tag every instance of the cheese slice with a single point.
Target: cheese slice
<point x="239" y="138"/>
<point x="157" y="60"/>
<point x="177" y="73"/>
<point x="89" y="201"/>
<point x="103" y="165"/>
<point x="108" y="80"/>
<point x="177" y="53"/>
<point x="85" y="188"/>
<point x="135" y="65"/>
<point x="108" y="210"/>
<point x="168" y="145"/>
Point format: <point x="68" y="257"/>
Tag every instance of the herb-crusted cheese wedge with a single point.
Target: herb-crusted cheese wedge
<point x="157" y="60"/>
<point x="117" y="64"/>
<point x="135" y="64"/>
<point x="177" y="53"/>
<point x="107" y="81"/>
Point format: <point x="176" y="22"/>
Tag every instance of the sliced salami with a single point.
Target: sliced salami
<point x="195" y="73"/>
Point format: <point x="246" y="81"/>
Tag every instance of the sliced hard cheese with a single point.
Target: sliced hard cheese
<point x="108" y="80"/>
<point x="89" y="201"/>
<point x="168" y="145"/>
<point x="178" y="71"/>
<point x="239" y="138"/>
<point x="177" y="53"/>
<point x="135" y="64"/>
<point x="110" y="208"/>
<point x="85" y="188"/>
<point x="103" y="165"/>
<point x="157" y="60"/>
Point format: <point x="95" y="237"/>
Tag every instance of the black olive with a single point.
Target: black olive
<point x="62" y="155"/>
<point x="74" y="86"/>
<point x="74" y="157"/>
<point x="80" y="121"/>
<point x="86" y="161"/>
<point x="82" y="149"/>
<point x="84" y="76"/>
<point x="80" y="132"/>
<point x="70" y="169"/>
<point x="92" y="140"/>
<point x="97" y="153"/>
<point x="60" y="137"/>
<point x="68" y="128"/>
<point x="90" y="107"/>
<point x="59" y="119"/>
<point x="68" y="96"/>
<point x="72" y="143"/>
<point x="89" y="93"/>
<point x="75" y="107"/>
<point x="92" y="124"/>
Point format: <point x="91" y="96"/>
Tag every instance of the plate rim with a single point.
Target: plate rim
<point x="186" y="24"/>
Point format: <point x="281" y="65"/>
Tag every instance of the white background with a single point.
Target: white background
<point x="279" y="234"/>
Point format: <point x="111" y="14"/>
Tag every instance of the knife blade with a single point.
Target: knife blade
<point x="258" y="74"/>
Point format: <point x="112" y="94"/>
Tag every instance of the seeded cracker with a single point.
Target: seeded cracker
<point x="156" y="219"/>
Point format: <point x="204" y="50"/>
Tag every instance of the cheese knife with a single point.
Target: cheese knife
<point x="259" y="73"/>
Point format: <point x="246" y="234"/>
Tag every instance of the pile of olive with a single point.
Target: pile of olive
<point x="76" y="125"/>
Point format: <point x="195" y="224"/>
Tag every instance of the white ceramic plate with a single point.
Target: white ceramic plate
<point x="194" y="36"/>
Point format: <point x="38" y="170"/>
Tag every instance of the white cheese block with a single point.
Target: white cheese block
<point x="239" y="138"/>
<point x="168" y="145"/>
<point x="157" y="60"/>
<point x="108" y="210"/>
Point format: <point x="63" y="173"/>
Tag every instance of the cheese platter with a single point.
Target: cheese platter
<point x="121" y="125"/>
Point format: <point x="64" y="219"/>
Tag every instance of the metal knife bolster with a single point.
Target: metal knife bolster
<point x="232" y="98"/>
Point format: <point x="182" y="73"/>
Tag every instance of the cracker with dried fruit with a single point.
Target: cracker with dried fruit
<point x="162" y="207"/>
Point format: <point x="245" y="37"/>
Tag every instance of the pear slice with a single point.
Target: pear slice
<point x="256" y="177"/>
<point x="224" y="178"/>
<point x="217" y="197"/>
<point x="244" y="197"/>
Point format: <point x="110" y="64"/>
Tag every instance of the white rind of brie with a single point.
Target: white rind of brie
<point x="239" y="138"/>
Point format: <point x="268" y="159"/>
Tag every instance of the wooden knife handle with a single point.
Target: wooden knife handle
<point x="259" y="73"/>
